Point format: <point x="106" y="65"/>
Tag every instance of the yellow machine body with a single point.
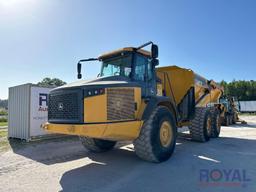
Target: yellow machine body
<point x="206" y="92"/>
<point x="177" y="81"/>
<point x="96" y="109"/>
<point x="132" y="99"/>
<point x="112" y="131"/>
<point x="99" y="121"/>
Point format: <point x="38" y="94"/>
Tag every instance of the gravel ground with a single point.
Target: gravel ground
<point x="67" y="166"/>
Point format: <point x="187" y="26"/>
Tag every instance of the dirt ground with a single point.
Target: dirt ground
<point x="64" y="165"/>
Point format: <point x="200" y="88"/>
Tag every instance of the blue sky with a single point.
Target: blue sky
<point x="39" y="38"/>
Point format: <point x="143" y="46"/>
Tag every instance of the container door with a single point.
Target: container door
<point x="38" y="110"/>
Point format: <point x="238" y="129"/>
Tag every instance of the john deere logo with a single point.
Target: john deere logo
<point x="118" y="104"/>
<point x="60" y="106"/>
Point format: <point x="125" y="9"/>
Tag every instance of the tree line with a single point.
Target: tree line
<point x="242" y="90"/>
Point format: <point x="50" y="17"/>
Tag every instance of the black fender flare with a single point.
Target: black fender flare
<point x="155" y="101"/>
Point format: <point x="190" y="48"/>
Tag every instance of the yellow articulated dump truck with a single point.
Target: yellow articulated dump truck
<point x="132" y="99"/>
<point x="229" y="114"/>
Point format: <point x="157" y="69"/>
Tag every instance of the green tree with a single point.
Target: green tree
<point x="48" y="82"/>
<point x="3" y="103"/>
<point x="243" y="90"/>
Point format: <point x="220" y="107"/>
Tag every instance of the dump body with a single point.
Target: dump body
<point x="175" y="81"/>
<point x="178" y="81"/>
<point x="206" y="91"/>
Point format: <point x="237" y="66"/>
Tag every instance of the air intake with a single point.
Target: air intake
<point x="120" y="104"/>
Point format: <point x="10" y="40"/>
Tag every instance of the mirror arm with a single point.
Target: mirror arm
<point x="79" y="66"/>
<point x="144" y="45"/>
<point x="90" y="59"/>
<point x="154" y="49"/>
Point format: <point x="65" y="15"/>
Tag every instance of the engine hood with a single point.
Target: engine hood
<point x="111" y="81"/>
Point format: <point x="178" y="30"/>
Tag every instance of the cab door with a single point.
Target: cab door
<point x="144" y="75"/>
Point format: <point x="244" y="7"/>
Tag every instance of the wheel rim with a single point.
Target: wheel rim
<point x="165" y="134"/>
<point x="209" y="125"/>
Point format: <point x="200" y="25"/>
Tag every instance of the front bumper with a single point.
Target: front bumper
<point x="115" y="131"/>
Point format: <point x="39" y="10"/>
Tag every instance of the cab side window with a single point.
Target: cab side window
<point x="140" y="67"/>
<point x="150" y="75"/>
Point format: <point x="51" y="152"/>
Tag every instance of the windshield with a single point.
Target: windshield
<point x="118" y="66"/>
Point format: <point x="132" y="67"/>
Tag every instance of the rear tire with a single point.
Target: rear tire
<point x="234" y="118"/>
<point x="97" y="145"/>
<point x="231" y="119"/>
<point x="227" y="120"/>
<point x="157" y="138"/>
<point x="216" y="124"/>
<point x="200" y="128"/>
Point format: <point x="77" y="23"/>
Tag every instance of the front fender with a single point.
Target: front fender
<point x="153" y="102"/>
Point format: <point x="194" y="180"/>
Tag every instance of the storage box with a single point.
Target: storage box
<point x="27" y="110"/>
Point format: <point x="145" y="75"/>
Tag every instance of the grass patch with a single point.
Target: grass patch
<point x="3" y="133"/>
<point x="17" y="144"/>
<point x="3" y="119"/>
<point x="4" y="143"/>
<point x="3" y="113"/>
<point x="3" y="123"/>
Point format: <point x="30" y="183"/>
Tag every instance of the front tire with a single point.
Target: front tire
<point x="97" y="145"/>
<point x="157" y="138"/>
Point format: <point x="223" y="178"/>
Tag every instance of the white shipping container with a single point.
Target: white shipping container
<point x="27" y="110"/>
<point x="247" y="106"/>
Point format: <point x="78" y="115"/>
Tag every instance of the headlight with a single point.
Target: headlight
<point x="94" y="92"/>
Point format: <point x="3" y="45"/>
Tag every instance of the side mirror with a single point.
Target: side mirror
<point x="79" y="75"/>
<point x="154" y="51"/>
<point x="154" y="62"/>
